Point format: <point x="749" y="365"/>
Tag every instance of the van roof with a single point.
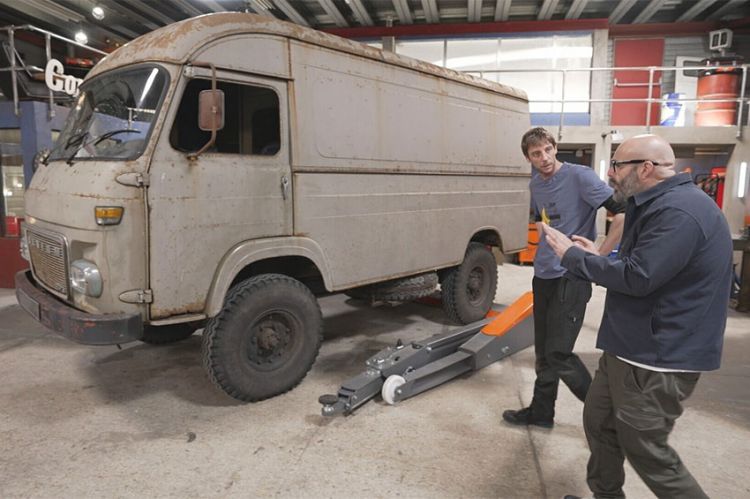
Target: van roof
<point x="177" y="42"/>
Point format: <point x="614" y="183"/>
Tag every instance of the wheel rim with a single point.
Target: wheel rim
<point x="272" y="339"/>
<point x="477" y="286"/>
<point x="391" y="385"/>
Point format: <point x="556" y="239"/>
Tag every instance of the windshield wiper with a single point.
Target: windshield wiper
<point x="112" y="133"/>
<point x="77" y="142"/>
<point x="76" y="139"/>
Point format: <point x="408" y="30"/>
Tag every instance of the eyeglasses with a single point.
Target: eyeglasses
<point x="614" y="164"/>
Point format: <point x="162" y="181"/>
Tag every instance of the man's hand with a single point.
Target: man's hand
<point x="586" y="244"/>
<point x="558" y="241"/>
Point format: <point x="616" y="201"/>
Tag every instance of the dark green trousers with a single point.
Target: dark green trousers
<point x="630" y="412"/>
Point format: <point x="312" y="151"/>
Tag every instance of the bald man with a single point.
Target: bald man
<point x="663" y="322"/>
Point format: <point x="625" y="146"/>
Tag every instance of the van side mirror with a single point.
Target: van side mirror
<point x="211" y="110"/>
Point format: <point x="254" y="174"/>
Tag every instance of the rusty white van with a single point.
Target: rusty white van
<point x="222" y="171"/>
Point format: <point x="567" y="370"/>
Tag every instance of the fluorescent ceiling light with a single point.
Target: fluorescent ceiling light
<point x="742" y="184"/>
<point x="545" y="54"/>
<point x="472" y="61"/>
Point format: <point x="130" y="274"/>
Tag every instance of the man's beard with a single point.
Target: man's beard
<point x="626" y="187"/>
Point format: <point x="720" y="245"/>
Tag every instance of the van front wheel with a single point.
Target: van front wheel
<point x="469" y="289"/>
<point x="265" y="339"/>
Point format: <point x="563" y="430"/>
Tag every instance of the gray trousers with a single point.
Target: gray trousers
<point x="630" y="412"/>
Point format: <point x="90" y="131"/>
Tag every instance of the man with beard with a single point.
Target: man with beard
<point x="663" y="322"/>
<point x="567" y="196"/>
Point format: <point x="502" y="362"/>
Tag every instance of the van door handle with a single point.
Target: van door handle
<point x="284" y="186"/>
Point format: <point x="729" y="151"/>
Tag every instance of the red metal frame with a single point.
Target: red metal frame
<point x="469" y="28"/>
<point x="615" y="30"/>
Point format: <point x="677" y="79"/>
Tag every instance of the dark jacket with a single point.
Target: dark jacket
<point x="668" y="289"/>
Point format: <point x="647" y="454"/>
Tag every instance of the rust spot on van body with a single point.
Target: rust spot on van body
<point x="195" y="307"/>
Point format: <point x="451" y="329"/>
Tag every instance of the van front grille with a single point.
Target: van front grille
<point x="48" y="260"/>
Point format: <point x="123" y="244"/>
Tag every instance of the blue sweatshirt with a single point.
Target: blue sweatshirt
<point x="570" y="199"/>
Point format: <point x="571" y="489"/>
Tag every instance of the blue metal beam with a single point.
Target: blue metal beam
<point x="36" y="129"/>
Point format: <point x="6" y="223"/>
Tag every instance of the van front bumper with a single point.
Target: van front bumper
<point x="81" y="327"/>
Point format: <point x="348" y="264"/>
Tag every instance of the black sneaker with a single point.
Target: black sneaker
<point x="525" y="417"/>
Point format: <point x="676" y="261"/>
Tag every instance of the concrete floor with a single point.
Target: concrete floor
<point x="79" y="421"/>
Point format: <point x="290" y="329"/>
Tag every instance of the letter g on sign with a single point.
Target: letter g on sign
<point x="57" y="81"/>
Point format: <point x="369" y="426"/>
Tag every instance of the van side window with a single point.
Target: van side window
<point x="251" y="121"/>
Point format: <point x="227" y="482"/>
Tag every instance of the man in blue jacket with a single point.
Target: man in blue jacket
<point x="663" y="322"/>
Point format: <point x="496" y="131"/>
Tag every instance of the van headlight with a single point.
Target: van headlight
<point x="85" y="278"/>
<point x="24" y="248"/>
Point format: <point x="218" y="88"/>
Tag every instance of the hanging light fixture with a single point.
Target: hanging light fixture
<point x="81" y="37"/>
<point x="97" y="12"/>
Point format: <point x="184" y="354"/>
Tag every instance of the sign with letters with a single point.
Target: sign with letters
<point x="58" y="81"/>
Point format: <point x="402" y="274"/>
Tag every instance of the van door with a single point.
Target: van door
<point x="240" y="189"/>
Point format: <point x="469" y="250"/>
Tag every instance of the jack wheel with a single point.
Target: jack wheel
<point x="392" y="383"/>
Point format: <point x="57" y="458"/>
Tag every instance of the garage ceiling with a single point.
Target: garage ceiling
<point x="127" y="19"/>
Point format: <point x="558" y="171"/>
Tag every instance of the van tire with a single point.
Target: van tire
<point x="265" y="338"/>
<point x="406" y="289"/>
<point x="172" y="333"/>
<point x="468" y="290"/>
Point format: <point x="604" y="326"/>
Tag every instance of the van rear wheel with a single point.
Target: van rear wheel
<point x="265" y="339"/>
<point x="469" y="289"/>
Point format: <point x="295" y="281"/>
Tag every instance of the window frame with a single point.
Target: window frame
<point x="227" y="79"/>
<point x="154" y="124"/>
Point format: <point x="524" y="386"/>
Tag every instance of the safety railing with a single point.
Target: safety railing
<point x="17" y="64"/>
<point x="650" y="100"/>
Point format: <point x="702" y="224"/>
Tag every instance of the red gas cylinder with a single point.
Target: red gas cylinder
<point x="718" y="83"/>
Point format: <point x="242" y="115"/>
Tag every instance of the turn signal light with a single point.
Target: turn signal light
<point x="108" y="215"/>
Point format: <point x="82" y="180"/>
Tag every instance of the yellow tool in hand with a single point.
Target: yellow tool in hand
<point x="545" y="218"/>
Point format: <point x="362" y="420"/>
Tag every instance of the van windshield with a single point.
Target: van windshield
<point x="112" y="116"/>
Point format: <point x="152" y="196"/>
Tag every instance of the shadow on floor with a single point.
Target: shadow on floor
<point x="140" y="370"/>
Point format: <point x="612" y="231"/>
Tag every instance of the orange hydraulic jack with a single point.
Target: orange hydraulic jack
<point x="403" y="371"/>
